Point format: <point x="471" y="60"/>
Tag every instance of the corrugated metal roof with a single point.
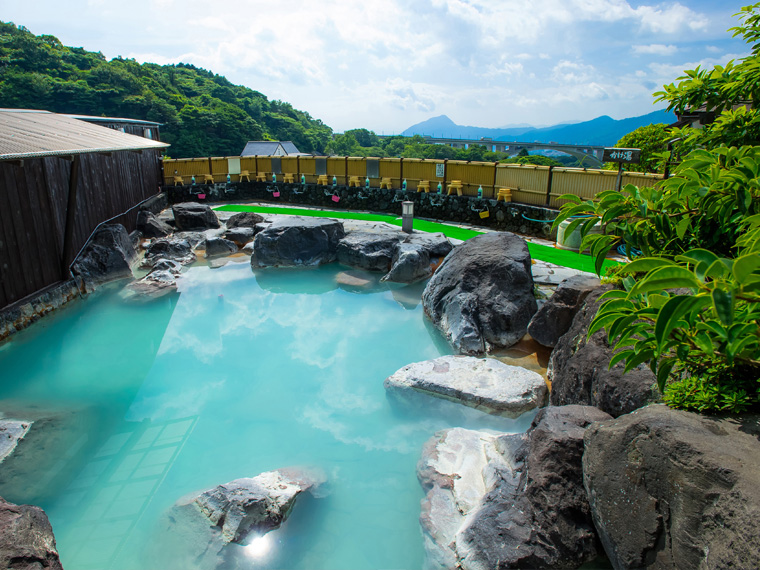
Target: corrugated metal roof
<point x="94" y="119"/>
<point x="31" y="134"/>
<point x="290" y="148"/>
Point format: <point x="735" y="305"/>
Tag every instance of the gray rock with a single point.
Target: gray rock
<point x="579" y="371"/>
<point x="481" y="297"/>
<point x="174" y="249"/>
<point x="554" y="318"/>
<point x="207" y="525"/>
<point x="150" y="226"/>
<point x="295" y="241"/>
<point x="241" y="236"/>
<point x="11" y="432"/>
<point x="457" y="468"/>
<point x="108" y="256"/>
<point x="410" y="263"/>
<point x="673" y="489"/>
<point x="217" y="247"/>
<point x="539" y="516"/>
<point x="244" y="220"/>
<point x="372" y="251"/>
<point x="437" y="245"/>
<point x="193" y="216"/>
<point x="487" y="384"/>
<point x="193" y="238"/>
<point x="26" y="538"/>
<point x="161" y="281"/>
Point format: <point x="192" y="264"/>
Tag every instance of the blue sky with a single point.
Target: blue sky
<point x="387" y="64"/>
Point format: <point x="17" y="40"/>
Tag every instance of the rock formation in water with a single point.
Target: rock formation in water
<point x="487" y="384"/>
<point x="481" y="297"/>
<point x="509" y="501"/>
<point x="297" y="241"/>
<point x="109" y="255"/>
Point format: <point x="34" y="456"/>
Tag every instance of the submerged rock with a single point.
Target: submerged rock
<point x="674" y="489"/>
<point x="295" y="241"/>
<point x="194" y="216"/>
<point x="481" y="297"/>
<point x="487" y="384"/>
<point x="26" y="538"/>
<point x="579" y="370"/>
<point x="411" y="263"/>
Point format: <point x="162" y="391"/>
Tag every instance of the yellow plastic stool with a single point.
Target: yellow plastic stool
<point x="386" y="183"/>
<point x="322" y="180"/>
<point x="455" y="185"/>
<point x="423" y="186"/>
<point x="504" y="194"/>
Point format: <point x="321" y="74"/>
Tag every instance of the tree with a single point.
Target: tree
<point x="652" y="140"/>
<point x="691" y="302"/>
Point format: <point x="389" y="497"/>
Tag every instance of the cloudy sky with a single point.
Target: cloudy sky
<point x="388" y="64"/>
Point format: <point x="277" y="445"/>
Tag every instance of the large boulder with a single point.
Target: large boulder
<point x="173" y="249"/>
<point x="26" y="538"/>
<point x="194" y="216"/>
<point x="509" y="501"/>
<point x="244" y="220"/>
<point x="217" y="247"/>
<point x="481" y="297"/>
<point x="151" y="226"/>
<point x="556" y="315"/>
<point x="579" y="371"/>
<point x="108" y="256"/>
<point x="372" y="251"/>
<point x="673" y="489"/>
<point x="487" y="384"/>
<point x="296" y="241"/>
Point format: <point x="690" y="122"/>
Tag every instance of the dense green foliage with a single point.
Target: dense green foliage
<point x="203" y="114"/>
<point x="730" y="91"/>
<point x="691" y="301"/>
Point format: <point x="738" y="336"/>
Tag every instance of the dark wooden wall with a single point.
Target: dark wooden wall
<point x="33" y="204"/>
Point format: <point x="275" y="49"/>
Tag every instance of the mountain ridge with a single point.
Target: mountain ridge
<point x="600" y="131"/>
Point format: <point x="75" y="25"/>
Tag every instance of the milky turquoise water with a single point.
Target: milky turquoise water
<point x="140" y="404"/>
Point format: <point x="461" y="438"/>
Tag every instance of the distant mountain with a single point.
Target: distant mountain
<point x="602" y="131"/>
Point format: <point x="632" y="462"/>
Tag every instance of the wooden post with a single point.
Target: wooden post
<point x="549" y="185"/>
<point x="71" y="208"/>
<point x="401" y="172"/>
<point x="345" y="169"/>
<point x="619" y="176"/>
<point x="495" y="170"/>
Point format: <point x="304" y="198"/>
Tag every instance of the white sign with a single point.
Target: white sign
<point x="439" y="168"/>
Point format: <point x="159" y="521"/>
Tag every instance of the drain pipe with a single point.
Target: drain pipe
<point x="87" y="241"/>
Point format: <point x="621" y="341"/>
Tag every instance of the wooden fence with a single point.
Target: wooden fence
<point x="35" y="249"/>
<point x="533" y="185"/>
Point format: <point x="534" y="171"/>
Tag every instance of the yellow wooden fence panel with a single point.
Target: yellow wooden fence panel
<point x="416" y="169"/>
<point x="308" y="166"/>
<point x="391" y="168"/>
<point x="336" y="166"/>
<point x="472" y="175"/>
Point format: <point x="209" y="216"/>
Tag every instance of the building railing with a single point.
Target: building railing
<point x="529" y="184"/>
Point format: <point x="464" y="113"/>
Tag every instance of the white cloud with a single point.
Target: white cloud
<point x="655" y="49"/>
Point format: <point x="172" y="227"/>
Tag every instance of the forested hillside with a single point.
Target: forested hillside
<point x="203" y="114"/>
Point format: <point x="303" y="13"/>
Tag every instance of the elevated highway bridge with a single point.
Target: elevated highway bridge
<point x="588" y="155"/>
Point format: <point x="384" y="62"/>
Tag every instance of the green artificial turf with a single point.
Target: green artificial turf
<point x="562" y="257"/>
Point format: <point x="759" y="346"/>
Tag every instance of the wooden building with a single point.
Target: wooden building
<point x="59" y="178"/>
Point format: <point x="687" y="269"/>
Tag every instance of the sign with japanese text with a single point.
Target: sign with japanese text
<point x="439" y="170"/>
<point x="626" y="155"/>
